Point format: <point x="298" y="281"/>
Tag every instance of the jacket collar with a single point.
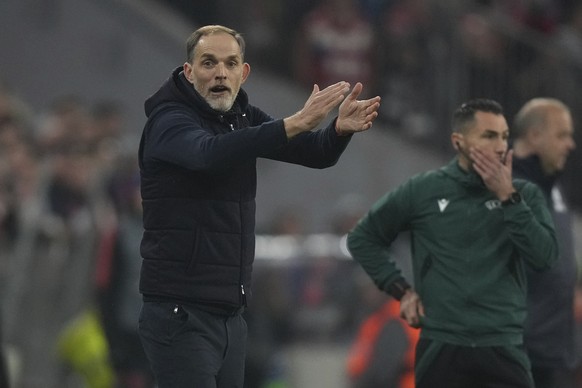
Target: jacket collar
<point x="177" y="89"/>
<point x="466" y="178"/>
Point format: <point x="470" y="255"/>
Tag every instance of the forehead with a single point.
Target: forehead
<point x="559" y="120"/>
<point x="218" y="44"/>
<point x="488" y="122"/>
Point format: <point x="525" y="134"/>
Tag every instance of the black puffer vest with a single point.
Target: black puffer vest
<point x="198" y="186"/>
<point x="198" y="243"/>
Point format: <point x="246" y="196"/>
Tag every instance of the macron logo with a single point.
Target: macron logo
<point x="443" y="203"/>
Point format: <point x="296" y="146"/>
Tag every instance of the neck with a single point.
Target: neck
<point x="464" y="159"/>
<point x="521" y="149"/>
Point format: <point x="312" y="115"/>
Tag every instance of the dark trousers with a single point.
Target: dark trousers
<point x="452" y="366"/>
<point x="546" y="377"/>
<point x="192" y="348"/>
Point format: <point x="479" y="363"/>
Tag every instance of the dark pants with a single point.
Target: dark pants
<point x="192" y="348"/>
<point x="452" y="366"/>
<point x="546" y="377"/>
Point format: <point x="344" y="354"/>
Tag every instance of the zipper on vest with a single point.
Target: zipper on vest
<point x="244" y="297"/>
<point x="223" y="119"/>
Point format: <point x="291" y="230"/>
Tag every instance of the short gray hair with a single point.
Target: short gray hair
<point x="195" y="37"/>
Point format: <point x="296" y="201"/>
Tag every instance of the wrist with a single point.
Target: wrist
<point x="512" y="199"/>
<point x="338" y="131"/>
<point x="399" y="288"/>
<point x="503" y="195"/>
<point x="292" y="126"/>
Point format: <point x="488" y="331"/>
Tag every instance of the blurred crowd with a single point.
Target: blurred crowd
<point x="69" y="202"/>
<point x="70" y="228"/>
<point x="423" y="57"/>
<point x="70" y="225"/>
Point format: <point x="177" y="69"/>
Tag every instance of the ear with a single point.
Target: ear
<point x="246" y="71"/>
<point x="188" y="71"/>
<point x="457" y="141"/>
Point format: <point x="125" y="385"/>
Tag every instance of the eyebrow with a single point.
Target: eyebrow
<point x="212" y="56"/>
<point x="492" y="132"/>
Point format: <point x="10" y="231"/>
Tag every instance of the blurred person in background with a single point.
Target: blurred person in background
<point x="197" y="161"/>
<point x="18" y="177"/>
<point x="408" y="36"/>
<point x="56" y="179"/>
<point x="543" y="133"/>
<point x="4" y="221"/>
<point x="7" y="230"/>
<point x="269" y="329"/>
<point x="569" y="34"/>
<point x="107" y="135"/>
<point x="117" y="279"/>
<point x="473" y="231"/>
<point x="96" y="186"/>
<point x="64" y="125"/>
<point x="487" y="57"/>
<point x="383" y="345"/>
<point x="335" y="41"/>
<point x="382" y="353"/>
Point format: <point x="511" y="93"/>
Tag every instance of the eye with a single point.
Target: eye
<point x="208" y="64"/>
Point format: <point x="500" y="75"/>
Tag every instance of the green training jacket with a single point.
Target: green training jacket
<point x="469" y="252"/>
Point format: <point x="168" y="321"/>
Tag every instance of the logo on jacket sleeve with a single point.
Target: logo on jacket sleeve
<point x="443" y="203"/>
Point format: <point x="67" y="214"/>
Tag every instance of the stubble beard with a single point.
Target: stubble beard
<point x="221" y="104"/>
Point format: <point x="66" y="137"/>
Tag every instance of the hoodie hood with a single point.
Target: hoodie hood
<point x="177" y="89"/>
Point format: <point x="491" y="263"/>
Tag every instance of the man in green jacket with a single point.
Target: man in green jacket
<point x="473" y="229"/>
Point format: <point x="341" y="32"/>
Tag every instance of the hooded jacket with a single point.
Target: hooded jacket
<point x="198" y="186"/>
<point x="469" y="253"/>
<point x="550" y="325"/>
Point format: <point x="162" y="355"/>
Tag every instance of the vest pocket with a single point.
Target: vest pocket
<point x="167" y="245"/>
<point x="215" y="249"/>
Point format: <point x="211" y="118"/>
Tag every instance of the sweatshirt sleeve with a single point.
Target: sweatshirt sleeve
<point x="370" y="240"/>
<point x="531" y="228"/>
<point x="176" y="137"/>
<point x="317" y="149"/>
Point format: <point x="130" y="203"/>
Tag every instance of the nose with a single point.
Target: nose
<point x="501" y="146"/>
<point x="221" y="71"/>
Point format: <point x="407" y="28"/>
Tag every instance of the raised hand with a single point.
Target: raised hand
<point x="316" y="108"/>
<point x="356" y="115"/>
<point x="495" y="171"/>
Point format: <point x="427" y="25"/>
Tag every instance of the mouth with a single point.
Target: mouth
<point x="219" y="89"/>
